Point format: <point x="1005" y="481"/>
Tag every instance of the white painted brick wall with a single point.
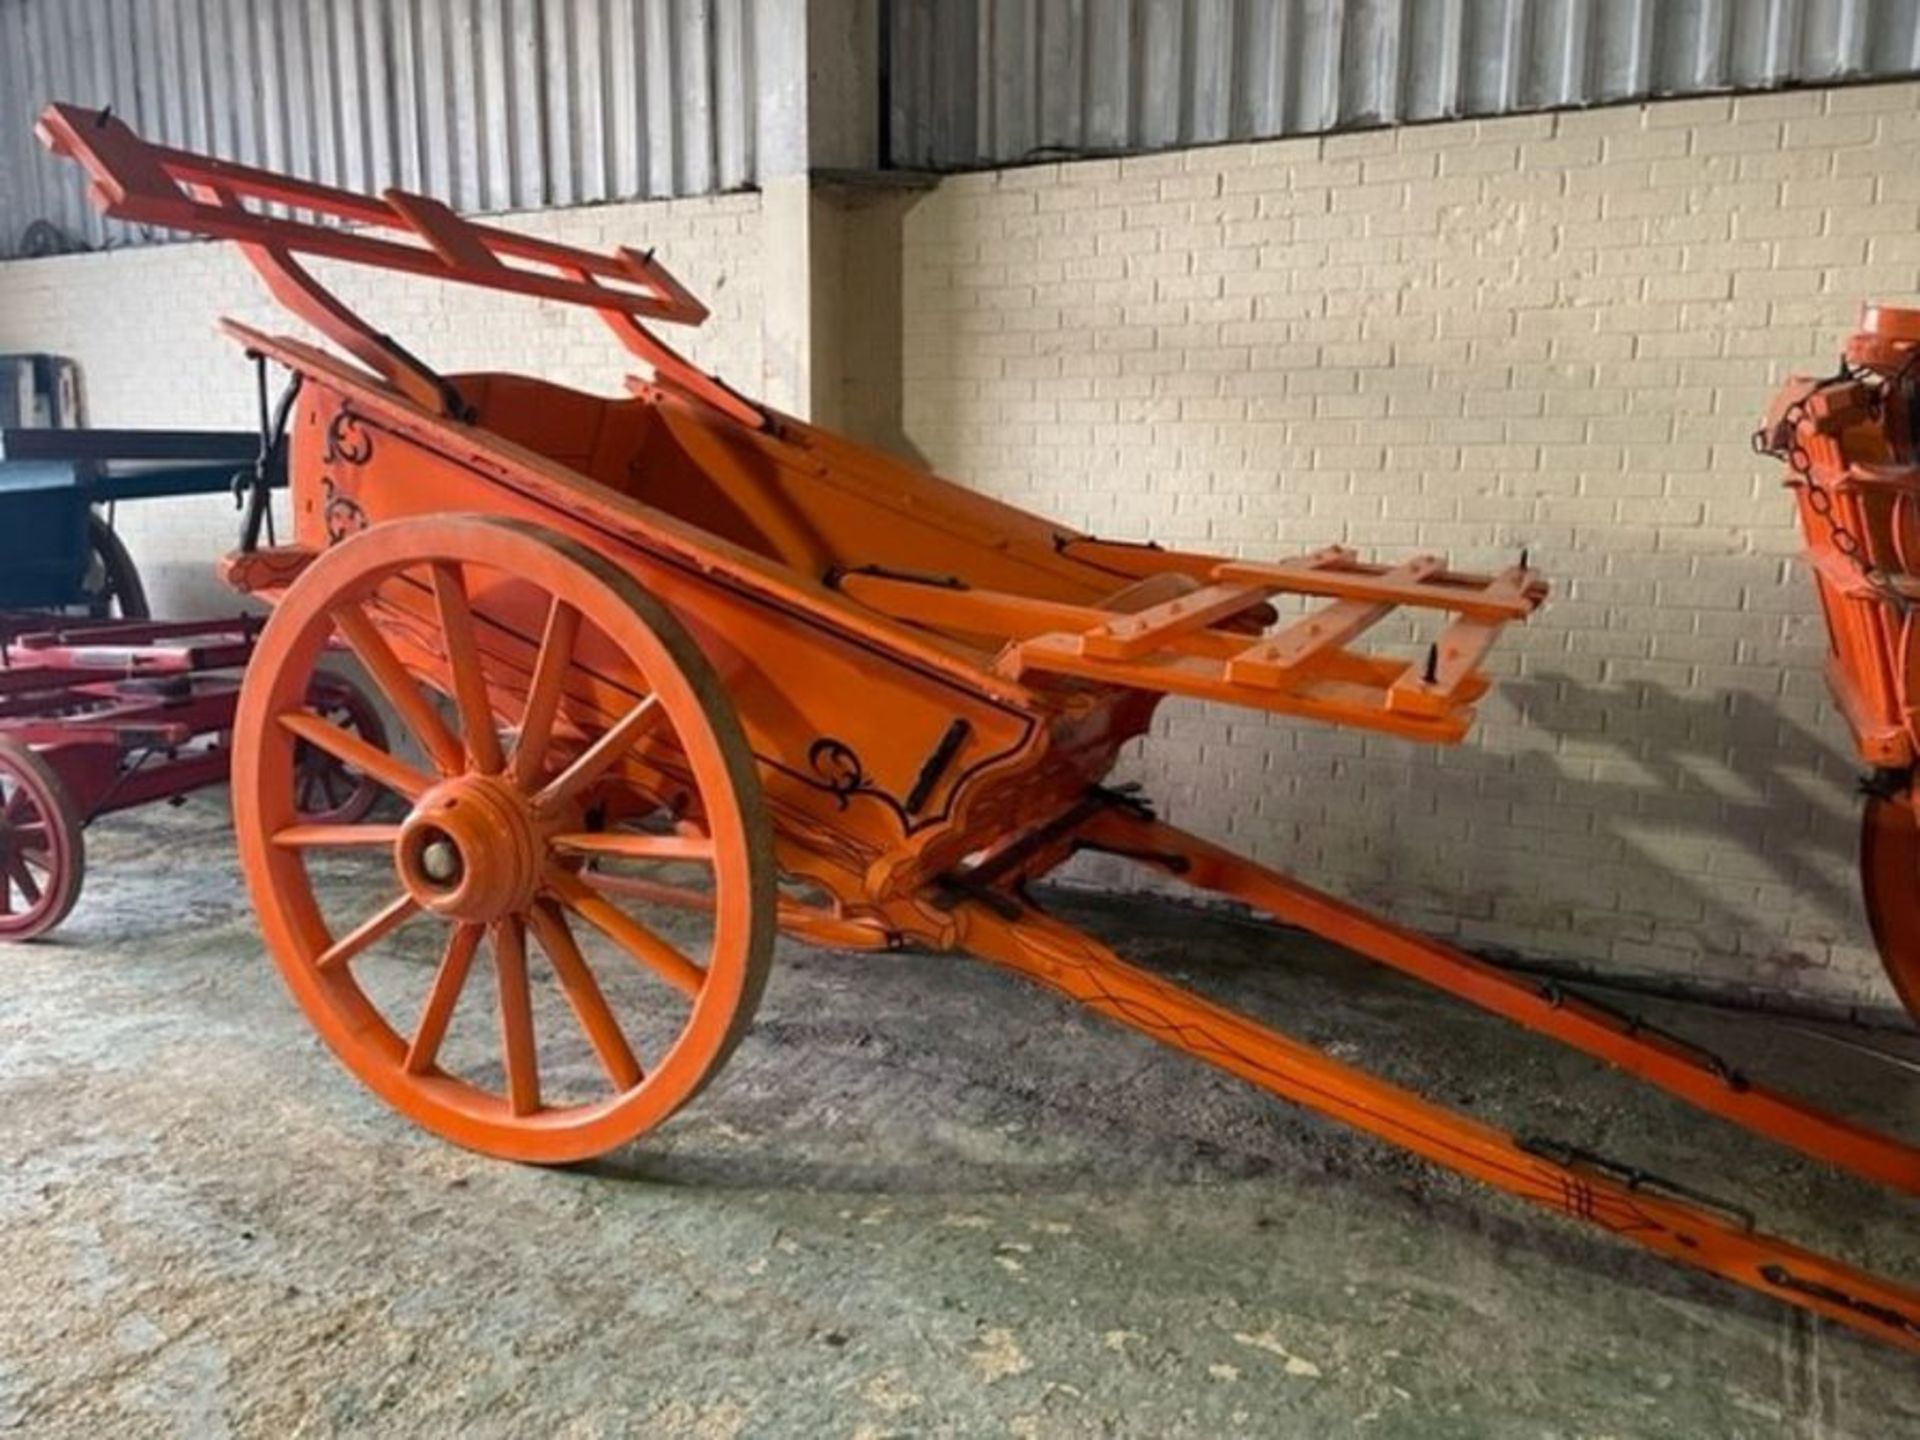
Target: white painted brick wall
<point x="1550" y="331"/>
<point x="141" y="322"/>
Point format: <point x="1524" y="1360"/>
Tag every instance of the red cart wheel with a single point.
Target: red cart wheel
<point x="621" y="722"/>
<point x="328" y="790"/>
<point x="1890" y="884"/>
<point x="42" y="853"/>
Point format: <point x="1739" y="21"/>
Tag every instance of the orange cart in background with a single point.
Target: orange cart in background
<point x="677" y="664"/>
<point x="1851" y="441"/>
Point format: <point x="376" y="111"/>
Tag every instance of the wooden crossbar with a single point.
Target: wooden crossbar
<point x="1438" y="590"/>
<point x="1334" y="572"/>
<point x="1295" y="650"/>
<point x="1175" y="647"/>
<point x="1127" y="637"/>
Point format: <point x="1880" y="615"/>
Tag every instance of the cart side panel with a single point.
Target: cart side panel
<point x="788" y="493"/>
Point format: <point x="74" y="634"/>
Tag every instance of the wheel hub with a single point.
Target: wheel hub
<point x="472" y="849"/>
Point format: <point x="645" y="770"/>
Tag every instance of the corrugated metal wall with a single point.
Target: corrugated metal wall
<point x="504" y="104"/>
<point x="491" y="104"/>
<point x="977" y="82"/>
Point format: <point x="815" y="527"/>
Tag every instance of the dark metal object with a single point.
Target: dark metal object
<point x="981" y="882"/>
<point x="1637" y="1025"/>
<point x="1893" y="1319"/>
<point x="936" y="766"/>
<point x="235" y="447"/>
<point x="1567" y="1156"/>
<point x="51" y="480"/>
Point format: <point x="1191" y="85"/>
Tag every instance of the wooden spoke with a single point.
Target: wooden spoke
<point x="371" y="931"/>
<point x="350" y="749"/>
<point x="336" y="837"/>
<point x="409" y="702"/>
<point x="423" y="1053"/>
<point x="23" y="877"/>
<point x="543" y="697"/>
<point x="601" y="755"/>
<point x="463" y="659"/>
<point x="628" y="845"/>
<point x="621" y="928"/>
<point x="654" y="892"/>
<point x="584" y="995"/>
<point x="516" y="1015"/>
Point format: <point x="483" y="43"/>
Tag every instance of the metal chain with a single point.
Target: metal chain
<point x="1821" y="500"/>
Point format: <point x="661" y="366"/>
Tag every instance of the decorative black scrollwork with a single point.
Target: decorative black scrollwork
<point x="348" y="442"/>
<point x="835" y="762"/>
<point x="835" y="767"/>
<point x="343" y="513"/>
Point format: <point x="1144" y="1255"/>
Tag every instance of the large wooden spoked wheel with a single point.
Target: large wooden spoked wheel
<point x="42" y="848"/>
<point x="626" y="757"/>
<point x="1890" y="885"/>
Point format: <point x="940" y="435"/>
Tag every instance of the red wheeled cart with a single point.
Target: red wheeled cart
<point x="99" y="716"/>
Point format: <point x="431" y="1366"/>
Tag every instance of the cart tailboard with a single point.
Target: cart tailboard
<point x="1208" y="638"/>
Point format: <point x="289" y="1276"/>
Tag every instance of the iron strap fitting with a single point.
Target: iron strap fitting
<point x="1644" y="1182"/>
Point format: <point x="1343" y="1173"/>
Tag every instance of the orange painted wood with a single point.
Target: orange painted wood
<point x="1295" y="650"/>
<point x="450" y="237"/>
<point x="1325" y="696"/>
<point x="968" y="612"/>
<point x="1558" y="1179"/>
<point x="1127" y="637"/>
<point x="660" y="612"/>
<point x="1456" y="657"/>
<point x="1443" y="590"/>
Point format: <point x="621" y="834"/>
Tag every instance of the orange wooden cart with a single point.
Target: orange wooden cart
<point x="1851" y="441"/>
<point x="678" y="664"/>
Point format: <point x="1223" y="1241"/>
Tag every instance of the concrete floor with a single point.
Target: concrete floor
<point x="924" y="1199"/>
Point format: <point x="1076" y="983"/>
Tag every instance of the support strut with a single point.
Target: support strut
<point x="1662" y="1218"/>
<point x="1682" y="1069"/>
